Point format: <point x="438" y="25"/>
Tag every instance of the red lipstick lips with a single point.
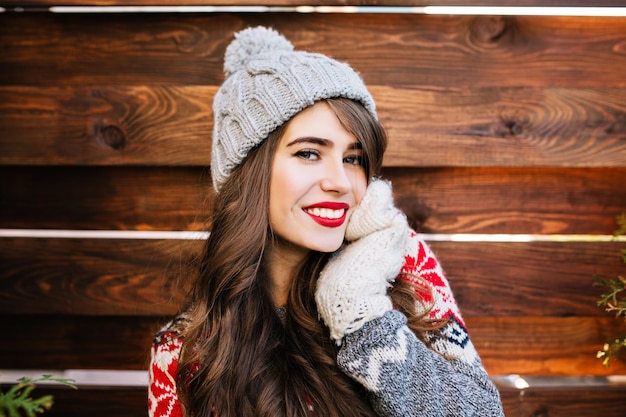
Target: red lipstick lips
<point x="328" y="213"/>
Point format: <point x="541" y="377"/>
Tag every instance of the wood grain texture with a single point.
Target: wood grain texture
<point x="36" y="3"/>
<point x="544" y="345"/>
<point x="95" y="276"/>
<point x="149" y="277"/>
<point x="106" y="125"/>
<point x="564" y="346"/>
<point x="97" y="401"/>
<point x="504" y="126"/>
<point x="172" y="125"/>
<point x="565" y="401"/>
<point x="492" y="279"/>
<point x="398" y="49"/>
<point x="78" y="342"/>
<point x="510" y="200"/>
<point x="105" y="198"/>
<point x="438" y="200"/>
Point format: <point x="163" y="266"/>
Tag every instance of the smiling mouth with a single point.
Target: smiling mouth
<point x="326" y="213"/>
<point x="329" y="214"/>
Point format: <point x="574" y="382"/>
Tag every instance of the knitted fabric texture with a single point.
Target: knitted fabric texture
<point x="267" y="83"/>
<point x="420" y="264"/>
<point x="405" y="378"/>
<point x="163" y="398"/>
<point x="352" y="287"/>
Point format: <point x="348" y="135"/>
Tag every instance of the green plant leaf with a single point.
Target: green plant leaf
<point x="17" y="401"/>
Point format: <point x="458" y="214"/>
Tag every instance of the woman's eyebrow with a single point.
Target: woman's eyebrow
<point x="322" y="142"/>
<point x="310" y="139"/>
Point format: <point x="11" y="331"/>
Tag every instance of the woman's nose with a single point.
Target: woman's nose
<point x="336" y="178"/>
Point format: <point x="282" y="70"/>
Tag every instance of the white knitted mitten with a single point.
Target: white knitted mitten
<point x="352" y="287"/>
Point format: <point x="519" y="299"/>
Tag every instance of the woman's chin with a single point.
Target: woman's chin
<point x="327" y="247"/>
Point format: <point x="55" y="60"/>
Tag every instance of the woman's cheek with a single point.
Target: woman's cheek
<point x="359" y="189"/>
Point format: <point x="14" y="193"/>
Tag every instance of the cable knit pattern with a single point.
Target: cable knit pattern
<point x="404" y="376"/>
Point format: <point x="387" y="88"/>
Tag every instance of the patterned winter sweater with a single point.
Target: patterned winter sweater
<point x="403" y="376"/>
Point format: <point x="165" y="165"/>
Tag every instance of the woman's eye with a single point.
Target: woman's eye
<point x="354" y="160"/>
<point x="308" y="154"/>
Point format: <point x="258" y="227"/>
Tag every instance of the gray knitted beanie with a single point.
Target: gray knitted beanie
<point x="267" y="83"/>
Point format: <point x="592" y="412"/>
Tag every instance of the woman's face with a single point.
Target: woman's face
<point x="317" y="180"/>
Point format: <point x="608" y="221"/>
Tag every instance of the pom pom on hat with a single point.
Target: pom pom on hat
<point x="267" y="83"/>
<point x="250" y="44"/>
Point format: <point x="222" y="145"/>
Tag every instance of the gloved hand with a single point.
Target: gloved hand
<point x="352" y="287"/>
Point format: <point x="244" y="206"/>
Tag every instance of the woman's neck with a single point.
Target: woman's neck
<point x="283" y="262"/>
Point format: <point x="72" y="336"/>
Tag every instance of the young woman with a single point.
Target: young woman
<point x="314" y="297"/>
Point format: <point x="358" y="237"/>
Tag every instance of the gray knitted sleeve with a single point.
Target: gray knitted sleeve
<point x="406" y="378"/>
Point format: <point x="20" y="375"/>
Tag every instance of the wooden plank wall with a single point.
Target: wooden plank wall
<point x="499" y="125"/>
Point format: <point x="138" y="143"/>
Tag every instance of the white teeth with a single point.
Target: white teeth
<point x="326" y="213"/>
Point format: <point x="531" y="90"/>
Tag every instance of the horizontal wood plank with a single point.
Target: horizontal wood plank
<point x="438" y="200"/>
<point x="510" y="200"/>
<point x="397" y="49"/>
<point x="148" y="277"/>
<point x="44" y="3"/>
<point x="545" y="345"/>
<point x="78" y="342"/>
<point x="565" y="401"/>
<point x="94" y="276"/>
<point x="592" y="401"/>
<point x="108" y="125"/>
<point x="564" y="346"/>
<point x="172" y="125"/>
<point x="105" y="198"/>
<point x="528" y="279"/>
<point x="504" y="126"/>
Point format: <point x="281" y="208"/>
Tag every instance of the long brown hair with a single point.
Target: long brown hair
<point x="239" y="358"/>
